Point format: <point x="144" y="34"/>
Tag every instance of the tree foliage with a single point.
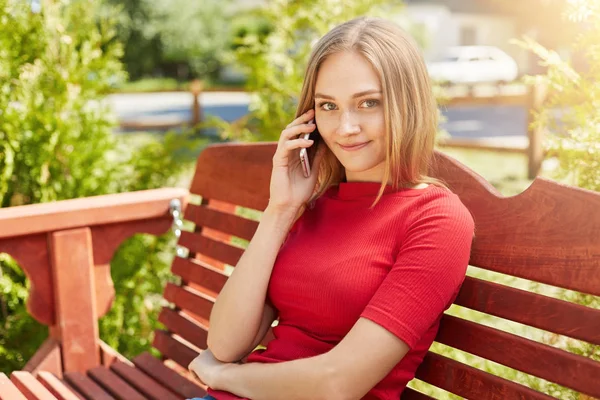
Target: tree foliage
<point x="57" y="142"/>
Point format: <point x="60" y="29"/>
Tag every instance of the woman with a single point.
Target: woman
<point x="360" y="280"/>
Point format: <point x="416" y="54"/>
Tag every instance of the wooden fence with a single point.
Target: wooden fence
<point x="530" y="97"/>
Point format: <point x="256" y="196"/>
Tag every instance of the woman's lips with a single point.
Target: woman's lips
<point x="356" y="147"/>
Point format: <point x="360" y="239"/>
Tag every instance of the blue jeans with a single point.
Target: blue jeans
<point x="207" y="397"/>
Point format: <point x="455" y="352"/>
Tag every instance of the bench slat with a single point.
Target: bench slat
<point x="224" y="222"/>
<point x="210" y="278"/>
<point x="168" y="377"/>
<point x="87" y="387"/>
<point x="189" y="299"/>
<point x="555" y="365"/>
<point x="188" y="329"/>
<point x="558" y="316"/>
<point x="235" y="173"/>
<point x="57" y="387"/>
<point x="113" y="384"/>
<point x="8" y="391"/>
<point x="30" y="387"/>
<point x="198" y="243"/>
<point x="471" y="383"/>
<point x="411" y="394"/>
<point x="173" y="349"/>
<point x="142" y="382"/>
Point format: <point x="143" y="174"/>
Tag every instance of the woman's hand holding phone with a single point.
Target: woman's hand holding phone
<point x="290" y="189"/>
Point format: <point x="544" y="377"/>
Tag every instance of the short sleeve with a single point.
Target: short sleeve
<point x="428" y="271"/>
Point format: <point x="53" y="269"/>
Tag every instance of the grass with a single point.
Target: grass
<point x="507" y="172"/>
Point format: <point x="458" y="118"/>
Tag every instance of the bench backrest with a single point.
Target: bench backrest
<point x="549" y="234"/>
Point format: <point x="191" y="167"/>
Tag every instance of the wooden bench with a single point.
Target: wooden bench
<point x="549" y="234"/>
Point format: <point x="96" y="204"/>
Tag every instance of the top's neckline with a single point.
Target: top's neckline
<point x="354" y="190"/>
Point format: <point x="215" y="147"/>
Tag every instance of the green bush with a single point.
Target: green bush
<point x="56" y="142"/>
<point x="174" y="38"/>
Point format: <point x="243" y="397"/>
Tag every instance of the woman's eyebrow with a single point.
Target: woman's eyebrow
<point x="355" y="95"/>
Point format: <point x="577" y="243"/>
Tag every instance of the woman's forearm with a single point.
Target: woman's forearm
<point x="237" y="314"/>
<point x="308" y="378"/>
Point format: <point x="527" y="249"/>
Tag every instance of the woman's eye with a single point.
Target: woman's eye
<point x="327" y="106"/>
<point x="370" y="103"/>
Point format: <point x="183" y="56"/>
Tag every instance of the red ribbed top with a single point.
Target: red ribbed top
<point x="399" y="265"/>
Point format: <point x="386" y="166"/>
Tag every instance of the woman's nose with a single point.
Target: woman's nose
<point x="348" y="124"/>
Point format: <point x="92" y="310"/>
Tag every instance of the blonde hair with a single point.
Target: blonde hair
<point x="410" y="108"/>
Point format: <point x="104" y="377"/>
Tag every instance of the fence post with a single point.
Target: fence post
<point x="196" y="89"/>
<point x="535" y="149"/>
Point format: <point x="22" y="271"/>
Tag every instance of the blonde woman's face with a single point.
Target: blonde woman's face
<point x="349" y="111"/>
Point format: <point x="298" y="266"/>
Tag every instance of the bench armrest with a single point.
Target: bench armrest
<point x="88" y="211"/>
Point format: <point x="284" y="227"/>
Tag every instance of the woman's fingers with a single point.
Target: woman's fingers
<point x="282" y="155"/>
<point x="296" y="144"/>
<point x="294" y="131"/>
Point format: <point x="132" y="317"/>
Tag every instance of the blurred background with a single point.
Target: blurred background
<point x="110" y="96"/>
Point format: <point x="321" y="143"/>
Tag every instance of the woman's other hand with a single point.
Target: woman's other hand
<point x="205" y="367"/>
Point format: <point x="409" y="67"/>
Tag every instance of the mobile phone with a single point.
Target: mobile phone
<point x="307" y="156"/>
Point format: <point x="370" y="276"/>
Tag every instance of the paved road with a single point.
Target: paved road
<point x="502" y="124"/>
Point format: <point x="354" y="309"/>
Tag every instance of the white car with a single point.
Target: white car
<point x="473" y="64"/>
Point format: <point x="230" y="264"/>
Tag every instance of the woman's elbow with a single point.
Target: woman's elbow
<point x="222" y="352"/>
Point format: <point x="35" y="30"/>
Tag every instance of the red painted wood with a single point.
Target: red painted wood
<point x="167" y="377"/>
<point x="189" y="300"/>
<point x="73" y="390"/>
<point x="221" y="221"/>
<point x="31" y="253"/>
<point x="56" y="386"/>
<point x="88" y="211"/>
<point x="549" y="233"/>
<point x="30" y="387"/>
<point x="219" y="206"/>
<point x="142" y="382"/>
<point x="187" y="328"/>
<point x="411" y="394"/>
<point x="22" y="236"/>
<point x="71" y="259"/>
<point x="173" y="349"/>
<point x="235" y="173"/>
<point x="209" y="278"/>
<point x="114" y="385"/>
<point x="47" y="358"/>
<point x="470" y="382"/>
<point x="198" y="243"/>
<point x="108" y="355"/>
<point x="90" y="389"/>
<point x="555" y="365"/>
<point x="532" y="309"/>
<point x="106" y="239"/>
<point x="8" y="390"/>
